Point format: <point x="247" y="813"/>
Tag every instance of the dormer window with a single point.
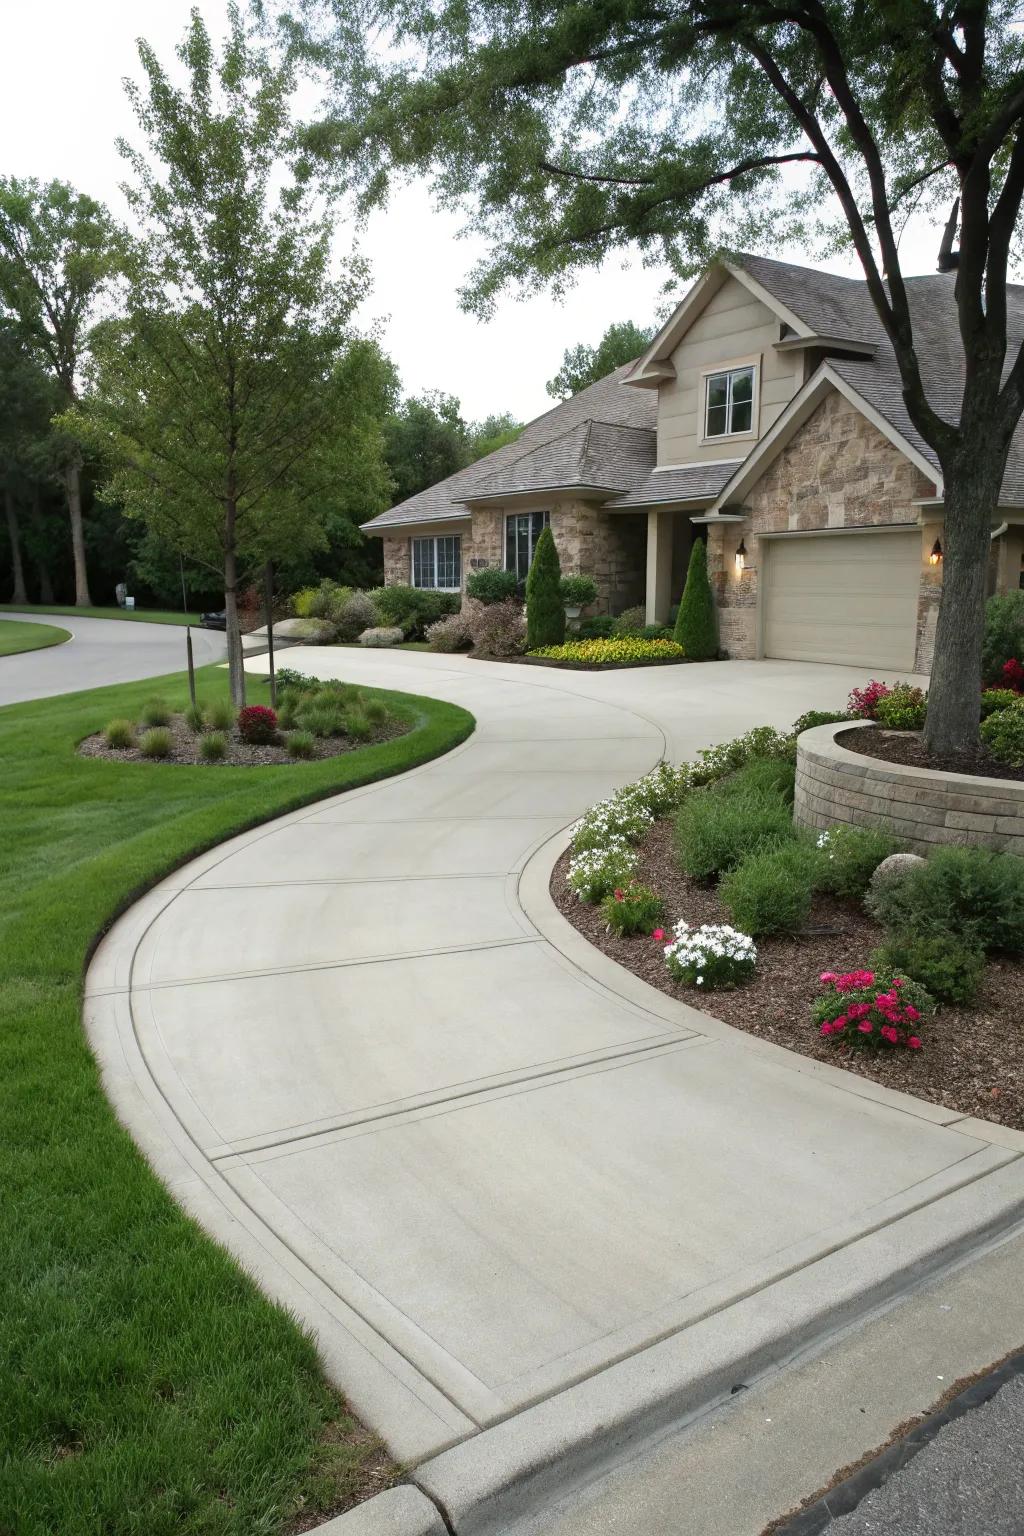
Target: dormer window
<point x="729" y="402"/>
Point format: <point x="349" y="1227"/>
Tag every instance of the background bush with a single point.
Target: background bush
<point x="714" y="831"/>
<point x="499" y="629"/>
<point x="1003" y="735"/>
<point x="994" y="699"/>
<point x="850" y="856"/>
<point x="696" y="623"/>
<point x="969" y="894"/>
<point x="545" y="611"/>
<point x="903" y="708"/>
<point x="354" y="613"/>
<point x="452" y="633"/>
<point x="382" y="636"/>
<point x="491" y="585"/>
<point x="411" y="609"/>
<point x="813" y="717"/>
<point x="630" y="620"/>
<point x="771" y="889"/>
<point x="1004" y="634"/>
<point x="600" y="627"/>
<point x="950" y="971"/>
<point x="762" y="776"/>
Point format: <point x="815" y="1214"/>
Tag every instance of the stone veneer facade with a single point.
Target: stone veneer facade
<point x="923" y="808"/>
<point x="838" y="471"/>
<point x="611" y="547"/>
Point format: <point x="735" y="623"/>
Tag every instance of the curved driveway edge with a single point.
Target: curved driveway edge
<point x="531" y="1209"/>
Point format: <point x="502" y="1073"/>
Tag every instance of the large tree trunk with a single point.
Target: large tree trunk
<point x="236" y="669"/>
<point x="73" y="487"/>
<point x="954" y="697"/>
<point x="19" y="595"/>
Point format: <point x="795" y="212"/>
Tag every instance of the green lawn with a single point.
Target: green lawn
<point x="146" y="1387"/>
<point x="16" y="638"/>
<point x="140" y="615"/>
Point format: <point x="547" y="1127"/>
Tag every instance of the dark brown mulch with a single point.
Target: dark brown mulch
<point x="185" y="747"/>
<point x="973" y="1060"/>
<point x="908" y="747"/>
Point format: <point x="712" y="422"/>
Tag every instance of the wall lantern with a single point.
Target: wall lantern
<point x="935" y="557"/>
<point x="741" y="558"/>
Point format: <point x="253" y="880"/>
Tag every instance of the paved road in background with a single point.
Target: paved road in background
<point x="100" y="651"/>
<point x="968" y="1482"/>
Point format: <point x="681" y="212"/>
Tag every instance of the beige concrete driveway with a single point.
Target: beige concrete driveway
<point x="506" y="1183"/>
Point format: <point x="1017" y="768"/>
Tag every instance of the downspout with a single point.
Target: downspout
<point x="997" y="533"/>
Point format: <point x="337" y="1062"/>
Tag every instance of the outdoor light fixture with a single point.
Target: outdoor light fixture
<point x="741" y="558"/>
<point x="936" y="554"/>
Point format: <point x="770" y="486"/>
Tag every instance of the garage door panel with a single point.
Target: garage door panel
<point x="849" y="599"/>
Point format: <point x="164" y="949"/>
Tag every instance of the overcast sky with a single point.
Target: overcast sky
<point x="62" y="105"/>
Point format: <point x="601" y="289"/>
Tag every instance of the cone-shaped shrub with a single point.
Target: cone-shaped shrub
<point x="696" y="625"/>
<point x="545" y="611"/>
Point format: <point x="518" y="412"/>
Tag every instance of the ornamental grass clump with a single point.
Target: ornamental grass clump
<point x="213" y="747"/>
<point x="119" y="734"/>
<point x="850" y="856"/>
<point x="221" y="715"/>
<point x="871" y="1010"/>
<point x="595" y="872"/>
<point x="195" y="719"/>
<point x="155" y="712"/>
<point x="713" y="956"/>
<point x="623" y="650"/>
<point x="155" y="743"/>
<point x="771" y="889"/>
<point x="545" y="611"/>
<point x="301" y="744"/>
<point x="632" y="908"/>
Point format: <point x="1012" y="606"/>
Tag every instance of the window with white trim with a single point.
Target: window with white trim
<point x="522" y="530"/>
<point x="729" y="402"/>
<point x="437" y="563"/>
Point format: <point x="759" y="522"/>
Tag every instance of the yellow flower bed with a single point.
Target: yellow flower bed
<point x="623" y="648"/>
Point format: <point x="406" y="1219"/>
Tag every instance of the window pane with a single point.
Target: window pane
<point x="522" y="547"/>
<point x="743" y="384"/>
<point x="423" y="562"/>
<point x="510" y="543"/>
<point x="717" y="423"/>
<point x="718" y="389"/>
<point x="741" y="417"/>
<point x="448" y="572"/>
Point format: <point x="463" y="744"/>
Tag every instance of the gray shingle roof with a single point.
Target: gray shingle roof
<point x="598" y="454"/>
<point x="608" y="402"/>
<point x="691" y="482"/>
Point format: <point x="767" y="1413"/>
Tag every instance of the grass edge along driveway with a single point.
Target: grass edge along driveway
<point x="17" y="638"/>
<point x="139" y="615"/>
<point x="147" y="1388"/>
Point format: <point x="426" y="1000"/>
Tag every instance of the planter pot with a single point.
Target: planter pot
<point x="573" y="610"/>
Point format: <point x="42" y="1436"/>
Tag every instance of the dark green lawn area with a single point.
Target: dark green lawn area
<point x="147" y="1388"/>
<point x="16" y="637"/>
<point x="139" y="615"/>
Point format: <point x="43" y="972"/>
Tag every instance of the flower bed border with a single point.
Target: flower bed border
<point x="585" y="666"/>
<point x="922" y="806"/>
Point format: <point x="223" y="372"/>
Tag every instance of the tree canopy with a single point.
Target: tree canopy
<point x="583" y="365"/>
<point x="569" y="132"/>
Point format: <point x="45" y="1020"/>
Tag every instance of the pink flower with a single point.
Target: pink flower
<point x="914" y="1044"/>
<point x="897" y="981"/>
<point x="826" y="1028"/>
<point x="858" y="1010"/>
<point x="890" y="1034"/>
<point x="911" y="1013"/>
<point x="828" y="976"/>
<point x="842" y="1021"/>
<point x="618" y="895"/>
<point x="659" y="933"/>
<point x="865" y="1027"/>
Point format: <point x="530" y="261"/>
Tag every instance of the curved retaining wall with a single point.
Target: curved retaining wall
<point x="920" y="806"/>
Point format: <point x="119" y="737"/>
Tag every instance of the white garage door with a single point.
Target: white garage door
<point x="842" y="597"/>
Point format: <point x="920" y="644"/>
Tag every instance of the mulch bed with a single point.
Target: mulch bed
<point x="973" y="1060"/>
<point x="185" y="747"/>
<point x="908" y="747"/>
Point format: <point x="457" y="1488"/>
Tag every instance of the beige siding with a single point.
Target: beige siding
<point x="733" y="325"/>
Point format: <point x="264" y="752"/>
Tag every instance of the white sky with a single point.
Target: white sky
<point x="62" y="105"/>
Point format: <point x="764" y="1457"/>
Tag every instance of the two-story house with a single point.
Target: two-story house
<point x="767" y="417"/>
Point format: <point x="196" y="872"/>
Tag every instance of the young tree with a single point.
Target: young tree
<point x="582" y="129"/>
<point x="583" y="365"/>
<point x="58" y="251"/>
<point x="545" y="611"/>
<point x="217" y="396"/>
<point x="696" y="625"/>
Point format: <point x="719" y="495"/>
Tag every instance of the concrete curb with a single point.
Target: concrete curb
<point x="403" y="1511"/>
<point x="509" y="1472"/>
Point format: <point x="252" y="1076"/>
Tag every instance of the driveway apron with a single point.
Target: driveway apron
<point x="478" y="1166"/>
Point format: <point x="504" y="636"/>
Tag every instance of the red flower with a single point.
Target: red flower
<point x="618" y="895"/>
<point x="911" y="1013"/>
<point x="1013" y="675"/>
<point x="865" y="1026"/>
<point x="914" y="1043"/>
<point x="890" y="1034"/>
<point x="659" y="933"/>
<point x="827" y="1028"/>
